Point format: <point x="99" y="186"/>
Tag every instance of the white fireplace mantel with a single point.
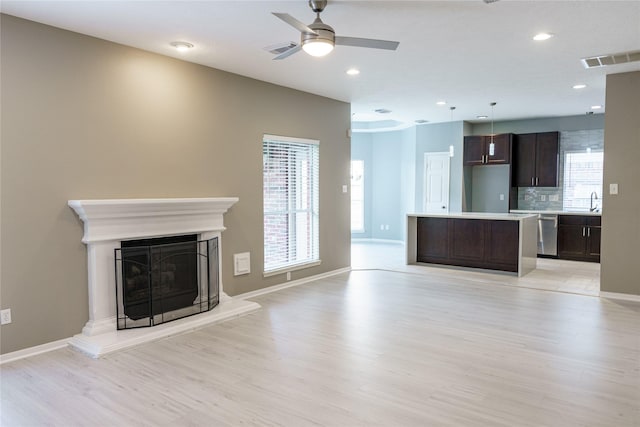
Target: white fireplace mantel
<point x="107" y="222"/>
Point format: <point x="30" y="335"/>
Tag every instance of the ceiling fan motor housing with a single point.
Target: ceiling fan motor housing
<point x="323" y="32"/>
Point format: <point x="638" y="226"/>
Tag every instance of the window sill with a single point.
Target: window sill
<point x="291" y="268"/>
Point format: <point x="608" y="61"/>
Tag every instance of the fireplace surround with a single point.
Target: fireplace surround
<point x="107" y="223"/>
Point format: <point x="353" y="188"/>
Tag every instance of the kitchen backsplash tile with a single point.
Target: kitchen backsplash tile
<point x="550" y="198"/>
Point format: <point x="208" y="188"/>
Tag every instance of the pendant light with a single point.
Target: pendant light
<point x="451" y="146"/>
<point x="492" y="145"/>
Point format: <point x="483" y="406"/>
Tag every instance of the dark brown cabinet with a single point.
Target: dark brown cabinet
<point x="477" y="150"/>
<point x="535" y="160"/>
<point x="579" y="237"/>
<point x="477" y="243"/>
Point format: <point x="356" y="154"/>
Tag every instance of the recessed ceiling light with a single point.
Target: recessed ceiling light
<point x="181" y="46"/>
<point x="542" y="36"/>
<point x="421" y="121"/>
<point x="482" y="117"/>
<point x="596" y="107"/>
<point x="441" y="103"/>
<point x="353" y="71"/>
<point x="579" y="86"/>
<point x="382" y="111"/>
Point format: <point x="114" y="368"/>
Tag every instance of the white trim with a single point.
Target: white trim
<point x="34" y="351"/>
<point x="292" y="267"/>
<point x="292" y="283"/>
<point x="366" y="240"/>
<point x="279" y="138"/>
<point x="620" y="296"/>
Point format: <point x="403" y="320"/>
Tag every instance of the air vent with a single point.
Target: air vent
<point x="279" y="48"/>
<point x="612" y="59"/>
<point x="382" y="111"/>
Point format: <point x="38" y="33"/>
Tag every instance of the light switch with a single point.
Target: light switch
<point x="502" y="197"/>
<point x="345" y="188"/>
<point x="613" y="188"/>
<point x="241" y="263"/>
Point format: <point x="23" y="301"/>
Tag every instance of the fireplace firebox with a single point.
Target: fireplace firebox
<point x="163" y="279"/>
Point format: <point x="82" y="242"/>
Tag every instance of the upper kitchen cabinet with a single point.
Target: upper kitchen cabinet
<point x="535" y="160"/>
<point x="477" y="150"/>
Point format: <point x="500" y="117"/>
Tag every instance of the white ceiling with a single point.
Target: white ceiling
<point x="465" y="52"/>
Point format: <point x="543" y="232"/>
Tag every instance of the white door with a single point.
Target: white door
<point x="436" y="182"/>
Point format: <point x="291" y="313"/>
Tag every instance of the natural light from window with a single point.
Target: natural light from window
<point x="582" y="177"/>
<point x="291" y="203"/>
<point x="357" y="196"/>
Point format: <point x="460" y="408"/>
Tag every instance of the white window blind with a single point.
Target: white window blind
<point x="582" y="176"/>
<point x="291" y="202"/>
<point x="357" y="196"/>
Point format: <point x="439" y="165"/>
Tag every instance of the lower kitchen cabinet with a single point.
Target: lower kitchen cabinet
<point x="477" y="243"/>
<point x="579" y="237"/>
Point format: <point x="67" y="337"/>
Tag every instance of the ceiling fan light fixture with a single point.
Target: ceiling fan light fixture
<point x="317" y="47"/>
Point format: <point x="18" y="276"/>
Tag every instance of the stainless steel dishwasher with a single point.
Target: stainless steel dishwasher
<point x="547" y="235"/>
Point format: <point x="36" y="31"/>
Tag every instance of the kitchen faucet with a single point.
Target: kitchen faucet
<point x="594" y="196"/>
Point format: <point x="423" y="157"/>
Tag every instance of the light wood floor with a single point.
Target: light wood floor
<point x="551" y="274"/>
<point x="366" y="348"/>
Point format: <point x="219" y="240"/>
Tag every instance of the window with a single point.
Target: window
<point x="291" y="202"/>
<point x="582" y="176"/>
<point x="357" y="196"/>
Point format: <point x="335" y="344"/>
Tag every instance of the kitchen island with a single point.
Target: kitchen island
<point x="492" y="241"/>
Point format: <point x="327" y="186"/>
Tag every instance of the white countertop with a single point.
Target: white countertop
<point x="515" y="216"/>
<point x="581" y="213"/>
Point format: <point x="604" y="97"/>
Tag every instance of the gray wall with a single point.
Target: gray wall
<point x="434" y="138"/>
<point x="547" y="124"/>
<point x="389" y="181"/>
<point x="489" y="186"/>
<point x="620" y="266"/>
<point x="84" y="118"/>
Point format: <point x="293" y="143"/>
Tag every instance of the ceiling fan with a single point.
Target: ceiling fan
<point x="318" y="38"/>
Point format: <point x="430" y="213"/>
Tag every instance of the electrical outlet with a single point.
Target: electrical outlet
<point x="543" y="198"/>
<point x="5" y="316"/>
<point x="288" y="276"/>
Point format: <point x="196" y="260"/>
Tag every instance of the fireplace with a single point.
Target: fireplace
<point x="176" y="285"/>
<point x="163" y="279"/>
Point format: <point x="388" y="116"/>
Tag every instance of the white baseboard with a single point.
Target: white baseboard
<point x="292" y="283"/>
<point x="33" y="351"/>
<point x="398" y="242"/>
<point x="616" y="295"/>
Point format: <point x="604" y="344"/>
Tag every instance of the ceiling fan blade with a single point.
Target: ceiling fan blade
<point x="288" y="53"/>
<point x="294" y="23"/>
<point x="371" y="43"/>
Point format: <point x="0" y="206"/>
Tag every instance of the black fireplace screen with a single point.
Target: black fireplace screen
<point x="165" y="279"/>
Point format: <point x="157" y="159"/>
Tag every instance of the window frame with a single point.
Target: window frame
<point x="307" y="182"/>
